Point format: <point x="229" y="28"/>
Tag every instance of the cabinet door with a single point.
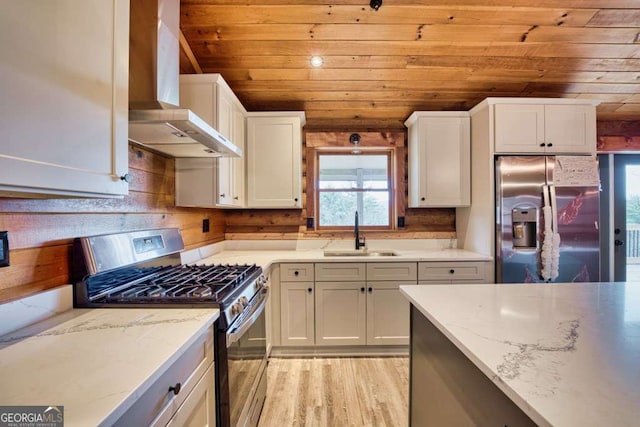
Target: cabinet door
<point x="199" y="408"/>
<point x="297" y="315"/>
<point x="446" y="272"/>
<point x="519" y="128"/>
<point x="570" y="129"/>
<point x="387" y="314"/>
<point x="237" y="164"/>
<point x="274" y="160"/>
<point x="440" y="176"/>
<point x="224" y="104"/>
<point x="340" y="313"/>
<point x="64" y="130"/>
<point x="195" y="181"/>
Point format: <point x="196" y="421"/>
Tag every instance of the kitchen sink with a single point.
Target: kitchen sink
<point x="353" y="252"/>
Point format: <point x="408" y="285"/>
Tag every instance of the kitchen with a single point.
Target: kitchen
<point x="41" y="230"/>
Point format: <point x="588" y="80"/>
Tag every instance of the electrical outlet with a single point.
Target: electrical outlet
<point x="310" y="224"/>
<point x="205" y="225"/>
<point x="4" y="248"/>
<point x="400" y="222"/>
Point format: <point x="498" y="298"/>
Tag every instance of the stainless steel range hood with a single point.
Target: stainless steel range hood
<point x="155" y="119"/>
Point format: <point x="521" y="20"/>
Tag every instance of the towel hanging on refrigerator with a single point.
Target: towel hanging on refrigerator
<point x="550" y="251"/>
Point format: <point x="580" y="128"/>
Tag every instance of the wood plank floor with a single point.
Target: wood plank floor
<point x="358" y="391"/>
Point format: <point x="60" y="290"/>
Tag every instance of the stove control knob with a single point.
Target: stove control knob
<point x="236" y="309"/>
<point x="243" y="301"/>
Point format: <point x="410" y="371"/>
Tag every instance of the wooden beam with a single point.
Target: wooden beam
<point x="184" y="45"/>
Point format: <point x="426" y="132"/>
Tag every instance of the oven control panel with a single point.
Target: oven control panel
<point x="243" y="301"/>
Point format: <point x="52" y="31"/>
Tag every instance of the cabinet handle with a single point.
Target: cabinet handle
<point x="295" y="273"/>
<point x="362" y="290"/>
<point x="542" y="144"/>
<point x="175" y="389"/>
<point x="309" y="290"/>
<point x="370" y="290"/>
<point x="126" y="178"/>
<point x="550" y="145"/>
<point x="452" y="271"/>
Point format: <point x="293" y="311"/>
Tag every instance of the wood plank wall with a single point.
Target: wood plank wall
<point x="618" y="136"/>
<point x="291" y="223"/>
<point x="41" y="231"/>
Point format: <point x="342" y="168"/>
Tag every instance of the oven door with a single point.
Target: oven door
<point x="246" y="364"/>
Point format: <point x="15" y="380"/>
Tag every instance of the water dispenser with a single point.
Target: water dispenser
<point x="524" y="222"/>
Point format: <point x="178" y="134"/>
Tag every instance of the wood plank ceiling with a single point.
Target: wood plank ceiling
<point x="380" y="66"/>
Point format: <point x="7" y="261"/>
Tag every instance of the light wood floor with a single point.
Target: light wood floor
<point x="359" y="391"/>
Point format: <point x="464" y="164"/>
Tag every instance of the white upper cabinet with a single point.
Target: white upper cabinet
<point x="64" y="81"/>
<point x="439" y="159"/>
<point x="545" y="127"/>
<point x="274" y="160"/>
<point x="209" y="96"/>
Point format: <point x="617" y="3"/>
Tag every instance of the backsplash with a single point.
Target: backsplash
<point x="41" y="231"/>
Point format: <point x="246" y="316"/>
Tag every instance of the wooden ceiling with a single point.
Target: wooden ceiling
<point x="430" y="55"/>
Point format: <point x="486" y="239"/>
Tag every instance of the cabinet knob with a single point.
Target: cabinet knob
<point x="362" y="290"/>
<point x="370" y="289"/>
<point x="550" y="145"/>
<point x="295" y="200"/>
<point x="309" y="290"/>
<point x="542" y="144"/>
<point x="222" y="196"/>
<point x="235" y="198"/>
<point x="296" y="273"/>
<point x="175" y="389"/>
<point x="126" y="178"/>
<point x="452" y="271"/>
<point x="618" y="242"/>
<point x="422" y="199"/>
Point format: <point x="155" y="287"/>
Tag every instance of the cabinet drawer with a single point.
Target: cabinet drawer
<point x="157" y="404"/>
<point x="395" y="271"/>
<point x="348" y="271"/>
<point x="451" y="271"/>
<point x="296" y="272"/>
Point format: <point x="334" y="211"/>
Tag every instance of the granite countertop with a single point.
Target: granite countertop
<point x="95" y="362"/>
<point x="567" y="354"/>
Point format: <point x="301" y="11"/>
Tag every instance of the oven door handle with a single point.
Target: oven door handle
<point x="256" y="311"/>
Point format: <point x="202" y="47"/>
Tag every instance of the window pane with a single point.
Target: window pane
<point x="375" y="209"/>
<point x="353" y="171"/>
<point x="337" y="208"/>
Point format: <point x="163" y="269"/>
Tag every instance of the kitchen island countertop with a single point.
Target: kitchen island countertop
<point x="567" y="354"/>
<point x="95" y="362"/>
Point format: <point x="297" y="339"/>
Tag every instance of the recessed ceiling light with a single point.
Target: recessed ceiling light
<point x="316" y="61"/>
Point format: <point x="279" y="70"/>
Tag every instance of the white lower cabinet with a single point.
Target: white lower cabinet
<point x="183" y="395"/>
<point x="297" y="313"/>
<point x="387" y="314"/>
<point x="341" y="309"/>
<point x="452" y="272"/>
<point x="348" y="304"/>
<point x="199" y="409"/>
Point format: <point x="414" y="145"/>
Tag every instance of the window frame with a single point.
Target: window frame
<point x="390" y="154"/>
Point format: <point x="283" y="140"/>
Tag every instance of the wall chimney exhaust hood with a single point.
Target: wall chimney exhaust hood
<point x="155" y="119"/>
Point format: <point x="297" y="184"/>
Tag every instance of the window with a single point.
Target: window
<point x="348" y="183"/>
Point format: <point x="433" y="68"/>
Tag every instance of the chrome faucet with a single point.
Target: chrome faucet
<point x="360" y="241"/>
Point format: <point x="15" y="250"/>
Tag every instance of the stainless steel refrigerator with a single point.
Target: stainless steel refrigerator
<point x="547" y="219"/>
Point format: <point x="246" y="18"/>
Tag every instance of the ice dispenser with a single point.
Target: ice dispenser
<point x="524" y="222"/>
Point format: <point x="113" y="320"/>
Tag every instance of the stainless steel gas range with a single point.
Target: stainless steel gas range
<point x="143" y="269"/>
